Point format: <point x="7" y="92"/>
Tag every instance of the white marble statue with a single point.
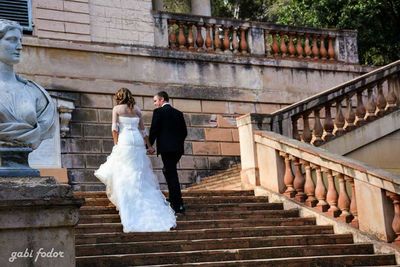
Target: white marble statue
<point x="27" y="112"/>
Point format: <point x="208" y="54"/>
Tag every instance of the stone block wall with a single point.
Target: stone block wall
<point x="212" y="143"/>
<point x="108" y="21"/>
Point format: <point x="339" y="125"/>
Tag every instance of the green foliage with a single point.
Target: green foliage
<point x="177" y="6"/>
<point x="377" y="21"/>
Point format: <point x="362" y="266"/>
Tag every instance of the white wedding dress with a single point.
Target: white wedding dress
<point x="131" y="184"/>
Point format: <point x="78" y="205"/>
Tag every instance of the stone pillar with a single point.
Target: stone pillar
<point x="37" y="218"/>
<point x="247" y="124"/>
<point x="373" y="203"/>
<point x="160" y="31"/>
<point x="346" y="47"/>
<point x="158" y="5"/>
<point x="271" y="168"/>
<point x="201" y="7"/>
<point x="256" y="41"/>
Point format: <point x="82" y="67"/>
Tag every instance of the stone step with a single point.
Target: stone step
<point x="117" y="236"/>
<point x="221" y="181"/>
<point x="331" y="261"/>
<point x="210" y="244"/>
<point x="102" y="194"/>
<point x="202" y="224"/>
<point x="190" y="200"/>
<point x="210" y="215"/>
<point x="236" y="207"/>
<point x="224" y="255"/>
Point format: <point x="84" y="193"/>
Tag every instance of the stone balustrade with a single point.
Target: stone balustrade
<point x="341" y="109"/>
<point x="348" y="190"/>
<point x="219" y="35"/>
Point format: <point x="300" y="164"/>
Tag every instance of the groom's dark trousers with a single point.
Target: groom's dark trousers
<point x="168" y="130"/>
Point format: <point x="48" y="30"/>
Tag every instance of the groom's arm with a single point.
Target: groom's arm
<point x="155" y="126"/>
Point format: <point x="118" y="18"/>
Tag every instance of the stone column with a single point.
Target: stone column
<point x="247" y="124"/>
<point x="372" y="203"/>
<point x="201" y="7"/>
<point x="37" y="220"/>
<point x="158" y="5"/>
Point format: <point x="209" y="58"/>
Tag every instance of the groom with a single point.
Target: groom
<point x="168" y="129"/>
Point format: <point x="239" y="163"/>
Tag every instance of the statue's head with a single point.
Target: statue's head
<point x="10" y="41"/>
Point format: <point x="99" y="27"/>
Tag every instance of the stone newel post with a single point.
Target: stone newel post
<point x="247" y="124"/>
<point x="201" y="7"/>
<point x="37" y="219"/>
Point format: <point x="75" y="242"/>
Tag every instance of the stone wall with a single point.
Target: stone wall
<point x="122" y="21"/>
<point x="212" y="90"/>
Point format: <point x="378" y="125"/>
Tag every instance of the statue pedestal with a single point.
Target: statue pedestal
<point x="14" y="162"/>
<point x="37" y="219"/>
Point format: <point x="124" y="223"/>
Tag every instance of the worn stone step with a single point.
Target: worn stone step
<point x="102" y="194"/>
<point x="202" y="224"/>
<point x="224" y="255"/>
<point x="236" y="207"/>
<point x="317" y="261"/>
<point x="209" y="215"/>
<point x="111" y="237"/>
<point x="193" y="200"/>
<point x="217" y="182"/>
<point x="223" y="243"/>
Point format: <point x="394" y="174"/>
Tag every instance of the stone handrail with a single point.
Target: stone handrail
<point x="363" y="196"/>
<point x="230" y="36"/>
<point x="331" y="113"/>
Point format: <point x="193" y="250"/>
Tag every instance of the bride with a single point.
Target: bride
<point x="131" y="184"/>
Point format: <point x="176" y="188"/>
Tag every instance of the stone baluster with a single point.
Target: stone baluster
<point x="309" y="187"/>
<point x="371" y="105"/>
<point x="291" y="48"/>
<point x="199" y="38"/>
<point x="274" y="46"/>
<point x="299" y="181"/>
<point x="299" y="46"/>
<point x="243" y="42"/>
<point x="396" y="220"/>
<point x="317" y="130"/>
<point x="235" y="42"/>
<point x="344" y="200"/>
<point x="208" y="43"/>
<point x="315" y="50"/>
<point x="328" y="124"/>
<point x="283" y="44"/>
<point x="360" y="110"/>
<point x="331" y="50"/>
<point x="353" y="202"/>
<point x="380" y="101"/>
<point x="391" y="97"/>
<point x="267" y="45"/>
<point x="339" y="120"/>
<point x="306" y="136"/>
<point x="295" y="129"/>
<point x="350" y="115"/>
<point x="217" y="40"/>
<point x="181" y="37"/>
<point x="322" y="49"/>
<point x="226" y="42"/>
<point x="288" y="177"/>
<point x="172" y="34"/>
<point x="190" y="39"/>
<point x="320" y="190"/>
<point x="332" y="195"/>
<point x="307" y="48"/>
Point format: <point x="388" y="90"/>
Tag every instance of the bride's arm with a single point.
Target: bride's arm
<point x="143" y="130"/>
<point x="114" y="125"/>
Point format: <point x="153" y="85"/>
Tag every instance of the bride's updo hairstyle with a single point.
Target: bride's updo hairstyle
<point x="124" y="96"/>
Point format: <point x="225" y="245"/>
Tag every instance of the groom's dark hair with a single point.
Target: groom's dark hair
<point x="164" y="95"/>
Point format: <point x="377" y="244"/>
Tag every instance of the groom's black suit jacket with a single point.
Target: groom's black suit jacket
<point x="168" y="129"/>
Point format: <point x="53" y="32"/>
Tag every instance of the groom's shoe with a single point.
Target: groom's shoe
<point x="181" y="209"/>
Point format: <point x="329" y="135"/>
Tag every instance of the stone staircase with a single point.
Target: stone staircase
<point x="220" y="228"/>
<point x="225" y="180"/>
